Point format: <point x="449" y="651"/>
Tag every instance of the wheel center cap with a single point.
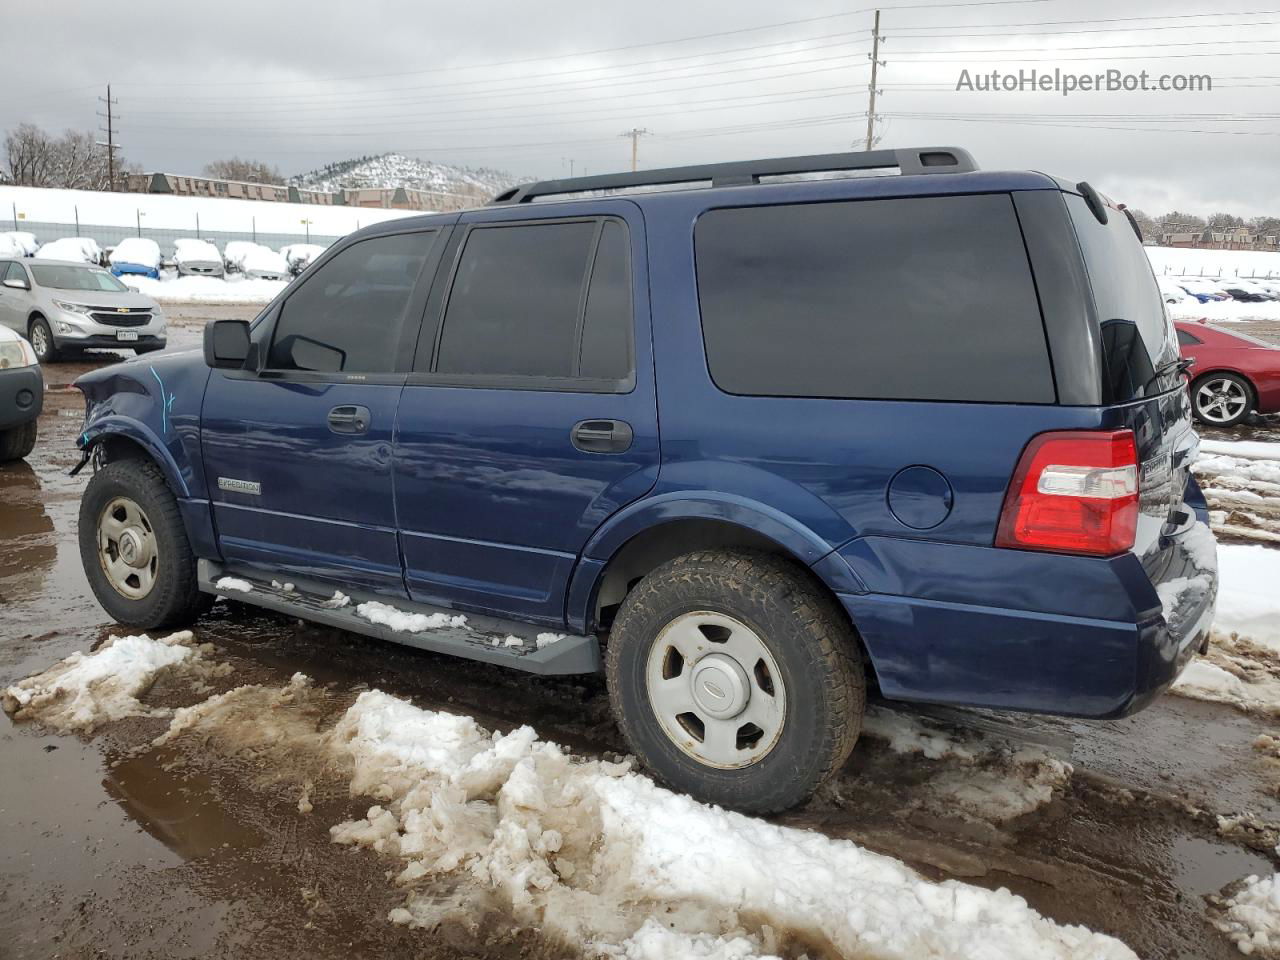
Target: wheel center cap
<point x="132" y="548"/>
<point x="720" y="686"/>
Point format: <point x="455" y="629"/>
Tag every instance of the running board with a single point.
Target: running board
<point x="490" y="639"/>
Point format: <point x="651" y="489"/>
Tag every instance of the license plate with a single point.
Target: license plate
<point x="126" y="334"/>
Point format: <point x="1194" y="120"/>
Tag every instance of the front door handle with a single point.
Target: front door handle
<point x="602" y="436"/>
<point x="349" y="419"/>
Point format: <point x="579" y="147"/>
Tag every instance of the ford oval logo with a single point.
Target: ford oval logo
<point x="713" y="689"/>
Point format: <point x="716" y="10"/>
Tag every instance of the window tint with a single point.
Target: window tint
<point x="349" y="315"/>
<point x="916" y="298"/>
<point x="606" y="328"/>
<point x="1186" y="339"/>
<point x="516" y="299"/>
<point x="1125" y="294"/>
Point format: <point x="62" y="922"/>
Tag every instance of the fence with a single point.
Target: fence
<point x="1219" y="272"/>
<point x="108" y="236"/>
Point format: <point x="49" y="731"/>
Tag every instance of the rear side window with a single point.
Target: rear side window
<point x="1187" y="340"/>
<point x="1137" y="337"/>
<point x="912" y="299"/>
<point x="348" y="316"/>
<point x="540" y="300"/>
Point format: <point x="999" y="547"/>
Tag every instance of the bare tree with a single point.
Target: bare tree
<point x="248" y="171"/>
<point x="29" y="156"/>
<point x="35" y="158"/>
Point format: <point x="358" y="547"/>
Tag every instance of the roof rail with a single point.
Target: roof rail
<point x="916" y="160"/>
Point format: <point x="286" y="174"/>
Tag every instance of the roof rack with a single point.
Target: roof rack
<point x="916" y="160"/>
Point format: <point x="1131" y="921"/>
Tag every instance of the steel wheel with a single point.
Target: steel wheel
<point x="716" y="690"/>
<point x="127" y="548"/>
<point x="1221" y="400"/>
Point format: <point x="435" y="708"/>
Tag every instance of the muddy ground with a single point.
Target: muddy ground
<point x="110" y="847"/>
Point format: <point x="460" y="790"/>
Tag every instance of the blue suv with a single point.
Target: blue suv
<point x="749" y="438"/>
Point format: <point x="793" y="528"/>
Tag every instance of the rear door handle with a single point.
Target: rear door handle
<point x="349" y="419"/>
<point x="602" y="436"/>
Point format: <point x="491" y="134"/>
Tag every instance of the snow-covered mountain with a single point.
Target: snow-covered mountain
<point x="397" y="170"/>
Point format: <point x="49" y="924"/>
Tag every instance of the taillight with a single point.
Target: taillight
<point x="1074" y="491"/>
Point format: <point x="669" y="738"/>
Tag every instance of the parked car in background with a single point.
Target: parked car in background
<point x="1203" y="290"/>
<point x="21" y="394"/>
<point x="298" y="256"/>
<point x="65" y="305"/>
<point x="135" y="256"/>
<point x="198" y="258"/>
<point x="234" y="252"/>
<point x="697" y="440"/>
<point x="23" y="240"/>
<point x="263" y="263"/>
<point x="10" y="247"/>
<point x="1269" y="284"/>
<point x="1257" y="287"/>
<point x="1233" y="375"/>
<point x="1245" y="292"/>
<point x="1171" y="292"/>
<point x="81" y="249"/>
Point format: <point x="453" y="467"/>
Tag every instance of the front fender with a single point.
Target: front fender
<point x="114" y="425"/>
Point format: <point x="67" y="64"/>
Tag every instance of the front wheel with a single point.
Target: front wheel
<point x="134" y="548"/>
<point x="17" y="442"/>
<point x="42" y="342"/>
<point x="1221" y="399"/>
<point x="735" y="679"/>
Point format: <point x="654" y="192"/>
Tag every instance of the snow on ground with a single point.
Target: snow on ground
<point x="86" y="689"/>
<point x="401" y="622"/>
<point x="1249" y="594"/>
<point x="1225" y="311"/>
<point x="191" y="289"/>
<point x="1251" y="918"/>
<point x="1213" y="263"/>
<point x="1241" y="483"/>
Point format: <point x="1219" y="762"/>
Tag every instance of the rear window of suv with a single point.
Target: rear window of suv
<point x="921" y="298"/>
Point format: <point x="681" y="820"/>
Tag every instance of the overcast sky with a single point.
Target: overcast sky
<point x="533" y="88"/>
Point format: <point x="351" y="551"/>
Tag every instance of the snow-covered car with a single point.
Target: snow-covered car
<point x="195" y="257"/>
<point x="1254" y="288"/>
<point x="24" y="240"/>
<point x="235" y="251"/>
<point x="264" y="263"/>
<point x="137" y="256"/>
<point x="83" y="249"/>
<point x="299" y="255"/>
<point x="1171" y="291"/>
<point x="1202" y="288"/>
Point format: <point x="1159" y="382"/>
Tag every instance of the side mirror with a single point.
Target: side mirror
<point x="226" y="344"/>
<point x="18" y="284"/>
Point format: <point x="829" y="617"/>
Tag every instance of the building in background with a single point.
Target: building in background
<point x="383" y="198"/>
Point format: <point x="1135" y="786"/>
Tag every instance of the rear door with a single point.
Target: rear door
<point x="298" y="454"/>
<point x="530" y="414"/>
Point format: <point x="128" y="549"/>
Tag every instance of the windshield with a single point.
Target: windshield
<point x="77" y="278"/>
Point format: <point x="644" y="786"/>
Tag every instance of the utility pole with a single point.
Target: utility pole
<point x="635" y="133"/>
<point x="875" y="62"/>
<point x="110" y="143"/>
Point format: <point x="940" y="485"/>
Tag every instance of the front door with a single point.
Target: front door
<point x="530" y="416"/>
<point x="298" y="454"/>
<point x="15" y="302"/>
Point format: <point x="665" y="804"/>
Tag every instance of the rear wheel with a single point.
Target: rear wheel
<point x="134" y="548"/>
<point x="1222" y="399"/>
<point x="17" y="442"/>
<point x="735" y="679"/>
<point x="42" y="342"/>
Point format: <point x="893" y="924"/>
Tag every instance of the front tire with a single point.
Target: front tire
<point x="42" y="342"/>
<point x="735" y="679"/>
<point x="135" y="550"/>
<point x="1222" y="399"/>
<point x="17" y="442"/>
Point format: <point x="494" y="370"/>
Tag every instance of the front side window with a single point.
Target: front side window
<point x="349" y="315"/>
<point x="540" y="300"/>
<point x="917" y="298"/>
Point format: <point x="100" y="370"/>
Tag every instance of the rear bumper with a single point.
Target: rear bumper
<point x="1103" y="643"/>
<point x="21" y="396"/>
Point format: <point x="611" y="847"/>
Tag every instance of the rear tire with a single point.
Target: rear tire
<point x="17" y="442"/>
<point x="42" y="342"/>
<point x="756" y="637"/>
<point x="1222" y="399"/>
<point x="135" y="550"/>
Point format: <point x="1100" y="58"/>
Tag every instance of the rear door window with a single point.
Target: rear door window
<point x="1137" y="337"/>
<point x="920" y="298"/>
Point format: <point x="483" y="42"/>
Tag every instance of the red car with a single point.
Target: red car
<point x="1233" y="373"/>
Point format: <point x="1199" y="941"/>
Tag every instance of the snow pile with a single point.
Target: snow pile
<point x="1241" y="483"/>
<point x="233" y="583"/>
<point x="85" y="690"/>
<point x="401" y="622"/>
<point x="137" y="250"/>
<point x="1224" y="311"/>
<point x="547" y="639"/>
<point x="1251" y="918"/>
<point x="22" y="240"/>
<point x="591" y="853"/>
<point x="197" y="289"/>
<point x="1249" y="594"/>
<point x="1206" y="681"/>
<point x="71" y="248"/>
<point x="339" y="599"/>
